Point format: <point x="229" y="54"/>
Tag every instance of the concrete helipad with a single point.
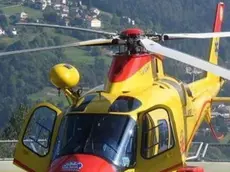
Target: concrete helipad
<point x="7" y="166"/>
<point x="213" y="166"/>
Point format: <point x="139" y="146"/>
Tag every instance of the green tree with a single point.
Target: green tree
<point x="50" y="15"/>
<point x="3" y="21"/>
<point x="77" y="21"/>
<point x="13" y="128"/>
<point x="3" y="45"/>
<point x="96" y="51"/>
<point x="13" y="19"/>
<point x="115" y="20"/>
<point x="88" y="3"/>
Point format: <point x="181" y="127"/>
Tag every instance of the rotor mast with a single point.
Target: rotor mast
<point x="133" y="67"/>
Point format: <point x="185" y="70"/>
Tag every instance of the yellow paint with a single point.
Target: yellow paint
<point x="24" y="155"/>
<point x="144" y="77"/>
<point x="182" y="106"/>
<point x="215" y="42"/>
<point x="64" y="76"/>
<point x="130" y="170"/>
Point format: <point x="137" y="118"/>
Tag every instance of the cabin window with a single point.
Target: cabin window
<point x="125" y="104"/>
<point x="157" y="134"/>
<point x="38" y="134"/>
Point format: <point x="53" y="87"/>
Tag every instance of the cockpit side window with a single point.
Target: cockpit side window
<point x="157" y="134"/>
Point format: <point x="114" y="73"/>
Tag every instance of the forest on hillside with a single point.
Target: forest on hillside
<point x="23" y="75"/>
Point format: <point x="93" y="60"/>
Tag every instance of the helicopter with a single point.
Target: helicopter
<point x="139" y="120"/>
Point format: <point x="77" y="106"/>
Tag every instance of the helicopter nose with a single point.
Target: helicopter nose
<point x="81" y="163"/>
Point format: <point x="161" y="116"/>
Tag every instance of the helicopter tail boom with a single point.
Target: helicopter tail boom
<point x="214" y="46"/>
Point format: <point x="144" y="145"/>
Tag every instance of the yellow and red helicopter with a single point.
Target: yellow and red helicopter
<point x="140" y="120"/>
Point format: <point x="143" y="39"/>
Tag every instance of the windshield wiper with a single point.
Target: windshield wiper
<point x="63" y="150"/>
<point x="90" y="137"/>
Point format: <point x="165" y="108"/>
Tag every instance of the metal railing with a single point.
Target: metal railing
<point x="194" y="155"/>
<point x="210" y="152"/>
<point x="215" y="152"/>
<point x="199" y="151"/>
<point x="7" y="148"/>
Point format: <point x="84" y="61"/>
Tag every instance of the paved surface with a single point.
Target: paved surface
<point x="7" y="166"/>
<point x="213" y="166"/>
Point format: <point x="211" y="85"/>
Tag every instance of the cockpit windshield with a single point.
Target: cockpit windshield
<point x="112" y="137"/>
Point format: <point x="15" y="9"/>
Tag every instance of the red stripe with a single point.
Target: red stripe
<point x="191" y="169"/>
<point x="172" y="167"/>
<point x="215" y="134"/>
<point x="193" y="132"/>
<point x="219" y="17"/>
<point x="123" y="66"/>
<point x="18" y="163"/>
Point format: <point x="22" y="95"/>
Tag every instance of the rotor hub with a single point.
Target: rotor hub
<point x="132" y="37"/>
<point x="131" y="33"/>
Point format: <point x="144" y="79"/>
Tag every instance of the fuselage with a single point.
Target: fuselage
<point x="136" y="94"/>
<point x="101" y="106"/>
<point x="139" y="120"/>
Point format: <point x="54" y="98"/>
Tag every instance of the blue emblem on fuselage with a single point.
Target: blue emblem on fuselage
<point x="72" y="166"/>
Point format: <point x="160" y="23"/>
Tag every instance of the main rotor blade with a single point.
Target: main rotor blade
<point x="185" y="58"/>
<point x="94" y="42"/>
<point x="169" y="36"/>
<point x="68" y="27"/>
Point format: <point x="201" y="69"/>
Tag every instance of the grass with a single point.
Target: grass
<point x="78" y="56"/>
<point x="2" y="6"/>
<point x="32" y="13"/>
<point x="226" y="139"/>
<point x="8" y="40"/>
<point x="64" y="38"/>
<point x="48" y="94"/>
